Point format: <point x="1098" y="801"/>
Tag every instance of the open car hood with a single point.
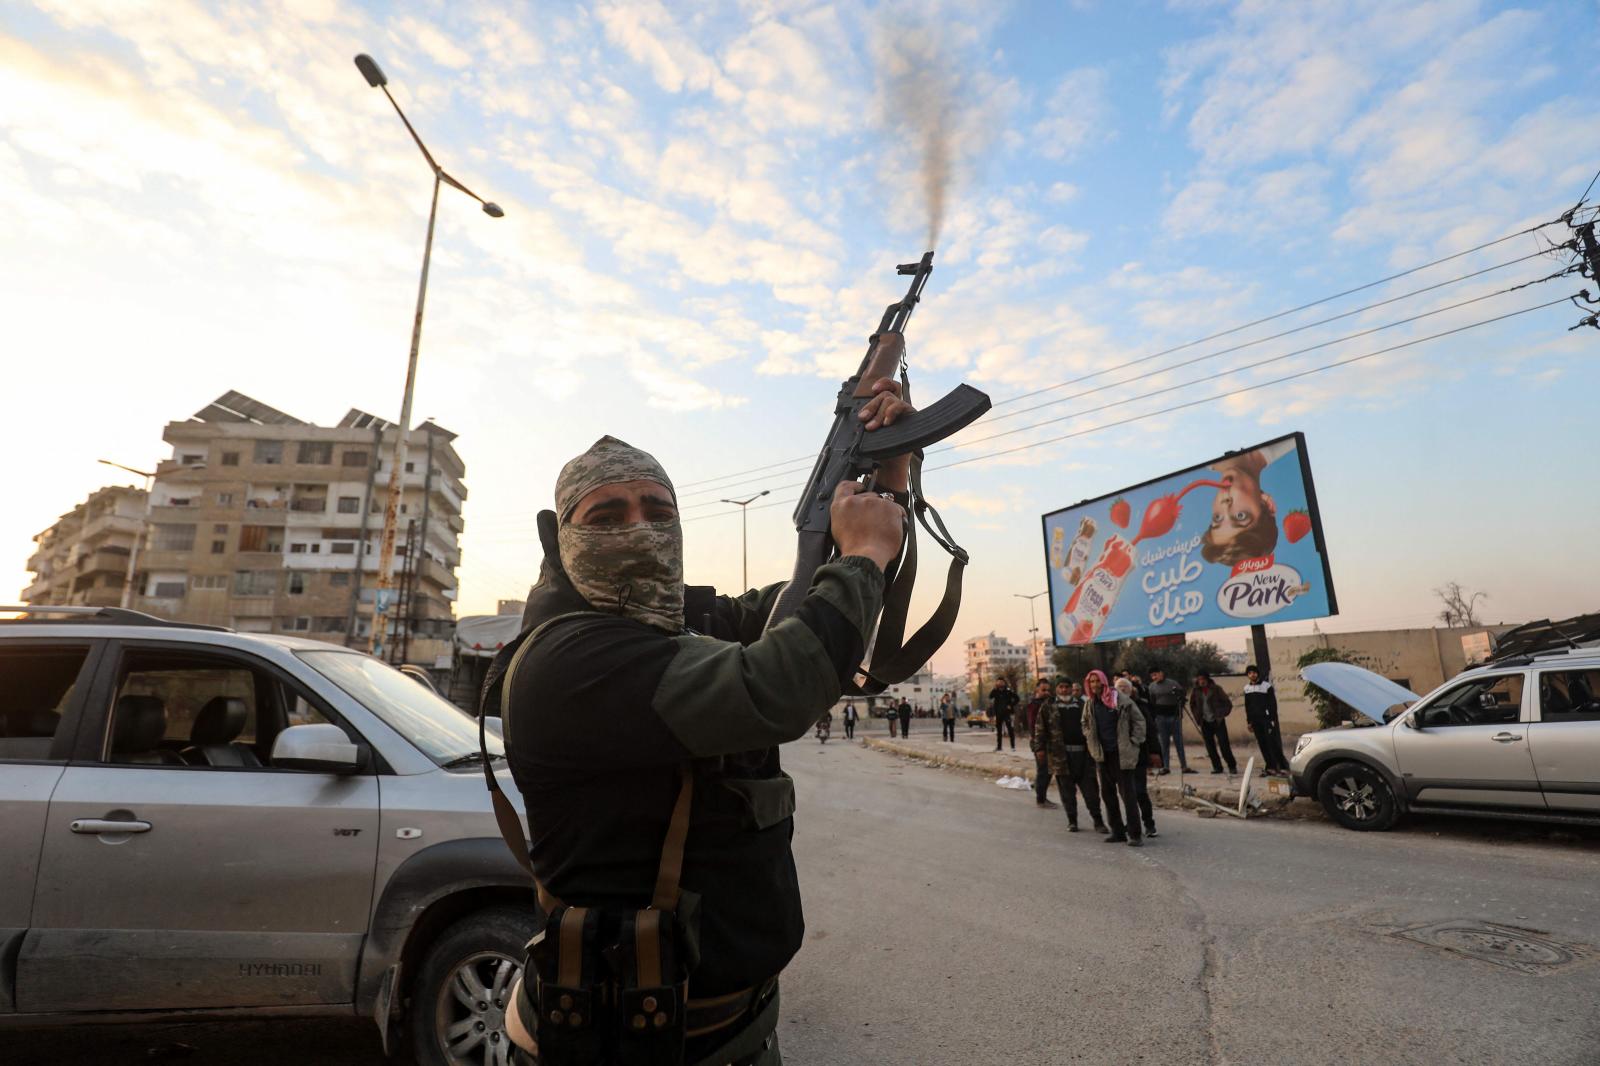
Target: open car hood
<point x="1362" y="689"/>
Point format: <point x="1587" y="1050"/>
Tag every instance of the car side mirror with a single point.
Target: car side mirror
<point x="1414" y="721"/>
<point x="320" y="746"/>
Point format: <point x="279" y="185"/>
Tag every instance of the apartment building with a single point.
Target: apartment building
<point x="988" y="657"/>
<point x="82" y="559"/>
<point x="268" y="524"/>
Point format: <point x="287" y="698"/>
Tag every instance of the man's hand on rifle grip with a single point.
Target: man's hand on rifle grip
<point x="884" y="409"/>
<point x="864" y="523"/>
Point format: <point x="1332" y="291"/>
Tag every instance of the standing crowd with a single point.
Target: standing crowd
<point x="1100" y="740"/>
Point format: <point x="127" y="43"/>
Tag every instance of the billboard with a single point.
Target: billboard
<point x="1233" y="542"/>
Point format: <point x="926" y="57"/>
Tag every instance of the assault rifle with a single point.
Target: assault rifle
<point x="852" y="453"/>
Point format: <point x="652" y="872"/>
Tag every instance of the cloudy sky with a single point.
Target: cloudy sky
<point x="704" y="205"/>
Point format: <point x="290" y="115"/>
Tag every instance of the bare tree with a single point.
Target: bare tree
<point x="1459" y="607"/>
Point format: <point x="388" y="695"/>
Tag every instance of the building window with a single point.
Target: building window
<point x="269" y="452"/>
<point x="209" y="582"/>
<point x="220" y="527"/>
<point x="411" y="468"/>
<point x="297" y="583"/>
<point x="170" y="537"/>
<point x="297" y="549"/>
<point x="294" y="625"/>
<point x="354" y="458"/>
<point x="168" y="590"/>
<point x="404" y="508"/>
<point x="315" y="504"/>
<point x="230" y="458"/>
<point x="218" y="547"/>
<point x="339" y="580"/>
<point x="315" y="452"/>
<point x="224" y="499"/>
<point x="342" y="547"/>
<point x="330" y="624"/>
<point x="260" y="539"/>
<point x="349" y="504"/>
<point x="255" y="582"/>
<point x="190" y="459"/>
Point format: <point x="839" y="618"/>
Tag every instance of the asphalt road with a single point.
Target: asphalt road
<point x="951" y="921"/>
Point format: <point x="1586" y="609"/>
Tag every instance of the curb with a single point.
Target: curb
<point x="1166" y="796"/>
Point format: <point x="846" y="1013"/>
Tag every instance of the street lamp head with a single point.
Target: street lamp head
<point x="371" y="71"/>
<point x="493" y="210"/>
<point x="763" y="492"/>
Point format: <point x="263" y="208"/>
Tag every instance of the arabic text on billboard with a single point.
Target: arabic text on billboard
<point x="1233" y="542"/>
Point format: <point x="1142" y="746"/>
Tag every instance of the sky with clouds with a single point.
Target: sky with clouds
<point x="704" y="206"/>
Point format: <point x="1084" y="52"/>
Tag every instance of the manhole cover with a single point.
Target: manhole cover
<point x="1504" y="945"/>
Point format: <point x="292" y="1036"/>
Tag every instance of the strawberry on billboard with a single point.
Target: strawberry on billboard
<point x="1236" y="541"/>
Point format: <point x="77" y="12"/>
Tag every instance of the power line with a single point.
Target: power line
<point x="1258" y="385"/>
<point x="1242" y="367"/>
<point x="1195" y="381"/>
<point x="1206" y="399"/>
<point x="1175" y="366"/>
<point x="1201" y="340"/>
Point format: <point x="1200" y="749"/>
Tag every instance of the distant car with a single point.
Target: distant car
<point x="979" y="717"/>
<point x="1518" y="738"/>
<point x="199" y="823"/>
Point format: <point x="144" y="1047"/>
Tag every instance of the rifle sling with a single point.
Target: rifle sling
<point x="670" y="871"/>
<point x="893" y="661"/>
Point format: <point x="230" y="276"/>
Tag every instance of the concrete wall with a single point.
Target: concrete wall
<point x="1420" y="659"/>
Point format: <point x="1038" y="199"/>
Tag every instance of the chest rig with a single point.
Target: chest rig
<point x="610" y="985"/>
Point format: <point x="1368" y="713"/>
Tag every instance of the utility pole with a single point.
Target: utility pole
<point x="138" y="536"/>
<point x="1033" y="632"/>
<point x="1258" y="645"/>
<point x="385" y="591"/>
<point x="744" y="532"/>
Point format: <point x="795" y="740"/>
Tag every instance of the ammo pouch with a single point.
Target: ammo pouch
<point x="605" y="985"/>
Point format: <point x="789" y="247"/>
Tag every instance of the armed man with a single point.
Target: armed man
<point x="641" y="720"/>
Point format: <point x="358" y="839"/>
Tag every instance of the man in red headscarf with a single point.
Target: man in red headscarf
<point x="1114" y="728"/>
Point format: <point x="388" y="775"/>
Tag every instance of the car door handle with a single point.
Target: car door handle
<point x="108" y="825"/>
<point x="1506" y="738"/>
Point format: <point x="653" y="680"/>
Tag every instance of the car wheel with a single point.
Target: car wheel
<point x="1357" y="797"/>
<point x="462" y="991"/>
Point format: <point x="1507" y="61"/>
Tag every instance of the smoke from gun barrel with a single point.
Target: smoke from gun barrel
<point x="921" y="91"/>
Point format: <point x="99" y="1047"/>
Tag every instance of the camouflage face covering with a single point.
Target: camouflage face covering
<point x="633" y="570"/>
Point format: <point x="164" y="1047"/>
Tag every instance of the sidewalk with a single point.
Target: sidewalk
<point x="973" y="751"/>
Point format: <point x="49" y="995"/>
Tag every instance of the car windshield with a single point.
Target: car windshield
<point x="438" y="728"/>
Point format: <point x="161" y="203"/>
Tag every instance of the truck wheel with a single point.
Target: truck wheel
<point x="1357" y="797"/>
<point x="462" y="990"/>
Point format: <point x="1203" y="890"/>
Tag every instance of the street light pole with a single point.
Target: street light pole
<point x="391" y="511"/>
<point x="1033" y="631"/>
<point x="138" y="536"/>
<point x="744" y="544"/>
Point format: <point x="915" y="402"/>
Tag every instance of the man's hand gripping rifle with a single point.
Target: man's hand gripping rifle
<point x="853" y="453"/>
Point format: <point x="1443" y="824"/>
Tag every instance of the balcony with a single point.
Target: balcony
<point x="107" y="524"/>
<point x="112" y="560"/>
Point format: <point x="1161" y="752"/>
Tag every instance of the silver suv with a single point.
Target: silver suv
<point x="198" y="820"/>
<point x="1518" y="738"/>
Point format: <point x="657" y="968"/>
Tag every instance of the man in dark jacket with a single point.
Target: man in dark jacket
<point x="1002" y="706"/>
<point x="630" y="693"/>
<point x="1041" y="773"/>
<point x="1261" y="716"/>
<point x="1209" y="706"/>
<point x="904" y="710"/>
<point x="1059" y="742"/>
<point x="1165" y="700"/>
